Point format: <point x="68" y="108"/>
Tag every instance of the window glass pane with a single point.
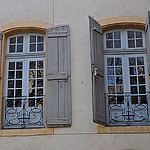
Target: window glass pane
<point x="142" y="89"/>
<point x="117" y="35"/>
<point x="110" y="61"/>
<point x="132" y="61"/>
<point x="10" y="102"/>
<point x="31" y="92"/>
<point x="134" y="99"/>
<point x="130" y="34"/>
<point x="11" y="65"/>
<point x="109" y="44"/>
<point x="141" y="79"/>
<point x="120" y="89"/>
<point x="39" y="102"/>
<point x="18" y="93"/>
<point x="18" y="83"/>
<point x="141" y="70"/>
<point x="39" y="92"/>
<point x="32" y="74"/>
<point x="39" y="47"/>
<point x="11" y="74"/>
<point x="140" y="61"/>
<point x="31" y="102"/>
<point x="11" y="84"/>
<point x="13" y="40"/>
<point x="32" y="39"/>
<point x="10" y="93"/>
<point x="19" y="48"/>
<point x="132" y="70"/>
<point x="118" y="61"/>
<point x="117" y="44"/>
<point x="131" y="44"/>
<point x="110" y="70"/>
<point x="18" y="74"/>
<point x="111" y="80"/>
<point x="112" y="99"/>
<point x="32" y="65"/>
<point x="120" y="99"/>
<point x="109" y="35"/>
<point x="39" y="73"/>
<point x="133" y="80"/>
<point x="119" y="80"/>
<point x="134" y="90"/>
<point x="32" y="47"/>
<point x="40" y="83"/>
<point x="12" y="48"/>
<point x="143" y="99"/>
<point x="111" y="89"/>
<point x="139" y="43"/>
<point x="31" y="83"/>
<point x="40" y="39"/>
<point x="20" y="39"/>
<point x="118" y="70"/>
<point x="138" y="34"/>
<point x="17" y="102"/>
<point x="39" y="64"/>
<point x="19" y="65"/>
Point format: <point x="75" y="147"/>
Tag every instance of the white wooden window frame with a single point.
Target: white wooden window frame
<point x="26" y="56"/>
<point x="124" y="40"/>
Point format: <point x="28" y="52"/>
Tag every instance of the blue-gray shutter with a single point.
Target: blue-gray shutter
<point x="58" y="77"/>
<point x="0" y="50"/>
<point x="147" y="29"/>
<point x="97" y="67"/>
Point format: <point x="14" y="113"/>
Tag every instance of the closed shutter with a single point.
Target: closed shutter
<point x="147" y="29"/>
<point x="98" y="90"/>
<point x="58" y="77"/>
<point x="0" y="50"/>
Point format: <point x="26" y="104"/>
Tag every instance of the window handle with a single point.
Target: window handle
<point x="95" y="71"/>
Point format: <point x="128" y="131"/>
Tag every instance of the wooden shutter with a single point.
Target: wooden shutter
<point x="147" y="29"/>
<point x="58" y="77"/>
<point x="98" y="90"/>
<point x="0" y="50"/>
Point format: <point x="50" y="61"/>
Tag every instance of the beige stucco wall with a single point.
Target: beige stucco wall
<point x="82" y="135"/>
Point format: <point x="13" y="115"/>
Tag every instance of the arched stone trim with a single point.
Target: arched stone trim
<point x="25" y="25"/>
<point x="123" y="22"/>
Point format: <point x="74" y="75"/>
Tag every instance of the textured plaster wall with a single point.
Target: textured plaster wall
<point x="82" y="134"/>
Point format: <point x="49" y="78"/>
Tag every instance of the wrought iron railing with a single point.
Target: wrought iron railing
<point x="23" y="112"/>
<point x="127" y="108"/>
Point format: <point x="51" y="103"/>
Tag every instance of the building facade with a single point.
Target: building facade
<point x="74" y="75"/>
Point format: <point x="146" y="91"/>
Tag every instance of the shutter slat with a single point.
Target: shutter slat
<point x="58" y="77"/>
<point x="98" y="93"/>
<point x="147" y="29"/>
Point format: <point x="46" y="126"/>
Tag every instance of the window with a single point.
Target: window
<point x="24" y="97"/>
<point x="37" y="75"/>
<point x="120" y="85"/>
<point x="126" y="78"/>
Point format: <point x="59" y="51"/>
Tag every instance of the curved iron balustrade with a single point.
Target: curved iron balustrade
<point x="128" y="108"/>
<point x="23" y="112"/>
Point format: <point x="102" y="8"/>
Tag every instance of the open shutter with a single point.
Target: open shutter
<point x="98" y="90"/>
<point x="0" y="50"/>
<point x="147" y="29"/>
<point x="58" y="77"/>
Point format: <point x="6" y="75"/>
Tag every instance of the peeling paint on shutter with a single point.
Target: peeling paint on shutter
<point x="98" y="90"/>
<point x="58" y="77"/>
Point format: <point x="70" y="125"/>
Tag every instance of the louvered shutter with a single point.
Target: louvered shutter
<point x="147" y="29"/>
<point x="98" y="92"/>
<point x="0" y="50"/>
<point x="58" y="77"/>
